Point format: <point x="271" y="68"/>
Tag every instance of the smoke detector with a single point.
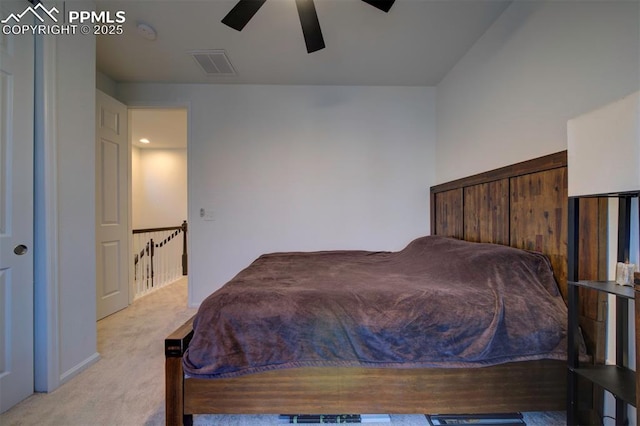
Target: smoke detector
<point x="146" y="31"/>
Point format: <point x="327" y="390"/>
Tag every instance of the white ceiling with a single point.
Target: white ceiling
<point x="164" y="127"/>
<point x="415" y="44"/>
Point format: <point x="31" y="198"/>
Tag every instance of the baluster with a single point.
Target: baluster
<point x="139" y="252"/>
<point x="157" y="261"/>
<point x="146" y="267"/>
<point x="175" y="255"/>
<point x="165" y="259"/>
<point x="159" y="257"/>
<point x="160" y="260"/>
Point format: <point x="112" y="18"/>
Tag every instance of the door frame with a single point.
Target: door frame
<point x="48" y="374"/>
<point x="46" y="325"/>
<point x="161" y="105"/>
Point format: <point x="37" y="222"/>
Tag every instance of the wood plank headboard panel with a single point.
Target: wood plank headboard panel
<point x="524" y="205"/>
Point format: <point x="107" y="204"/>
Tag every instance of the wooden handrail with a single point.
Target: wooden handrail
<point x="166" y="228"/>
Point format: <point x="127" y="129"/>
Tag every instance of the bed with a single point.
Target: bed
<point x="521" y="206"/>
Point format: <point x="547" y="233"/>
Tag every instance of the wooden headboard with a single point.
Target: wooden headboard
<point x="524" y="205"/>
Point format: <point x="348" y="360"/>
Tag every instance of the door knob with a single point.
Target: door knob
<point x="20" y="249"/>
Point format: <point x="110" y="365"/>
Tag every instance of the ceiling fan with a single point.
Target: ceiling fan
<point x="244" y="10"/>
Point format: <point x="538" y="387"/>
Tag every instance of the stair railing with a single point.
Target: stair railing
<point x="160" y="257"/>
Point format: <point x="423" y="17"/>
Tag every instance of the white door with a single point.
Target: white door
<point x="16" y="213"/>
<point x="112" y="205"/>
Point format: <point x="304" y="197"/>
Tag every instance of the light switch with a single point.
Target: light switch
<point x="206" y="214"/>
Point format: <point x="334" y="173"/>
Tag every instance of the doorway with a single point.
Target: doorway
<point x="159" y="197"/>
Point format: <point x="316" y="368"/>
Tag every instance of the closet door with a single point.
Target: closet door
<point x="16" y="212"/>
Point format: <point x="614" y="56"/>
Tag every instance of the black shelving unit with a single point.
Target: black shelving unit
<point x="617" y="379"/>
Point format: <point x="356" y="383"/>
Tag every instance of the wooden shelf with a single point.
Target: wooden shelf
<point x="619" y="381"/>
<point x="610" y="287"/>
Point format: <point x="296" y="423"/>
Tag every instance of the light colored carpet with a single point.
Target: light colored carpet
<point x="126" y="386"/>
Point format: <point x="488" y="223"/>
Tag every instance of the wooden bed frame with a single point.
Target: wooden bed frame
<point x="524" y="206"/>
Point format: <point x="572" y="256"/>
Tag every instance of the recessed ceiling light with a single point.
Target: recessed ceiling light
<point x="144" y="140"/>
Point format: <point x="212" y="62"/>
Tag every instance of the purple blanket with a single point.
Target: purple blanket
<point x="439" y="302"/>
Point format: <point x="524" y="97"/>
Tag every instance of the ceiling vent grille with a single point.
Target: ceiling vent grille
<point x="213" y="62"/>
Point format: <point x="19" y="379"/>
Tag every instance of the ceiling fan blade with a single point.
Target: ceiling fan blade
<point x="242" y="13"/>
<point x="383" y="5"/>
<point x="310" y="25"/>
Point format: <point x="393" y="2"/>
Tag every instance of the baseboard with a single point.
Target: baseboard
<point x="79" y="368"/>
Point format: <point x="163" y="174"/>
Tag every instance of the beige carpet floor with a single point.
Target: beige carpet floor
<point x="126" y="386"/>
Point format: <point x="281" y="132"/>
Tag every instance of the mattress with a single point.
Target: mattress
<point x="439" y="302"/>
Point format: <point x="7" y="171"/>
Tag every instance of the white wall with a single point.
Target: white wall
<point x="106" y="84"/>
<point x="76" y="203"/>
<point x="299" y="168"/>
<point x="136" y="185"/>
<point x="66" y="291"/>
<point x="540" y="64"/>
<point x="159" y="187"/>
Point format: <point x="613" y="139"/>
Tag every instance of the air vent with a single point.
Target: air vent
<point x="213" y="62"/>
